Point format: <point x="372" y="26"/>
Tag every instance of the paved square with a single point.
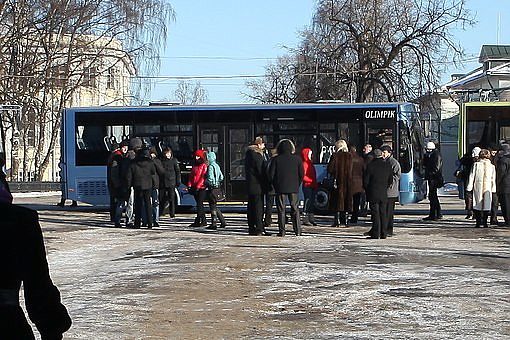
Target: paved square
<point x="432" y="280"/>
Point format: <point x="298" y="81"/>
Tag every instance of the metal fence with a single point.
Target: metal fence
<point x="34" y="186"/>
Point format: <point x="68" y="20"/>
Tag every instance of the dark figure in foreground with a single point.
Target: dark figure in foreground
<point x="23" y="259"/>
<point x="286" y="173"/>
<point x="377" y="179"/>
<point x="433" y="164"/>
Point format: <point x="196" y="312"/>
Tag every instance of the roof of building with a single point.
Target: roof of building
<point x="494" y="52"/>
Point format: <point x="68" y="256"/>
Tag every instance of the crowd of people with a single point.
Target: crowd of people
<point x="140" y="183"/>
<point x="484" y="181"/>
<point x="354" y="180"/>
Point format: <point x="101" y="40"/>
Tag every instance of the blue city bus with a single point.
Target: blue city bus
<point x="89" y="135"/>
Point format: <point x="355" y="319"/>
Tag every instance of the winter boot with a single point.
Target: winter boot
<point x="203" y="221"/>
<point x="223" y="223"/>
<point x="336" y="219"/>
<point x="485" y="215"/>
<point x="311" y="218"/>
<point x="195" y="223"/>
<point x="306" y="219"/>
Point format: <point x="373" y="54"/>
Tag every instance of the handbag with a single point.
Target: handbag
<point x="218" y="194"/>
<point x="329" y="183"/>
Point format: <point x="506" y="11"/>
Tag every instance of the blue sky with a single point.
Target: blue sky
<point x="238" y="38"/>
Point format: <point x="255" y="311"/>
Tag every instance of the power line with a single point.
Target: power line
<point x="218" y="58"/>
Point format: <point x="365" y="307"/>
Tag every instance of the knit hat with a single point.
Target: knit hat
<point x="476" y="151"/>
<point x="505" y="149"/>
<point x="430" y="146"/>
<point x="135" y="143"/>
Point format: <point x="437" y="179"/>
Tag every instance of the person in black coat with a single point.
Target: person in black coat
<point x="155" y="186"/>
<point x="503" y="181"/>
<point x="169" y="181"/>
<point x="286" y="174"/>
<point x="257" y="186"/>
<point x="433" y="164"/>
<point x="140" y="177"/>
<point x="23" y="259"/>
<point x="377" y="178"/>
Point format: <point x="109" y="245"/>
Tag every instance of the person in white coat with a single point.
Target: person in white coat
<point x="482" y="181"/>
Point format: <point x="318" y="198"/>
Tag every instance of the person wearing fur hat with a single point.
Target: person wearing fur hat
<point x="340" y="168"/>
<point x="482" y="181"/>
<point x="433" y="165"/>
<point x="197" y="186"/>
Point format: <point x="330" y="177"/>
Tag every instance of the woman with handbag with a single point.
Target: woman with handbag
<point x="214" y="178"/>
<point x="197" y="186"/>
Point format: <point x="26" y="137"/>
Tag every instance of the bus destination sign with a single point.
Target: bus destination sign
<point x="380" y="114"/>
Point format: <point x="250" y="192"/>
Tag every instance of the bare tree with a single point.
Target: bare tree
<point x="372" y="50"/>
<point x="188" y="93"/>
<point x="49" y="49"/>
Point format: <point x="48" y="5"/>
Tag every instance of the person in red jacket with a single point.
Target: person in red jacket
<point x="309" y="186"/>
<point x="197" y="186"/>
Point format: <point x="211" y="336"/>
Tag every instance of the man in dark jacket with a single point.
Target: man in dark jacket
<point x="155" y="186"/>
<point x="503" y="181"/>
<point x="23" y="259"/>
<point x="286" y="174"/>
<point x="169" y="181"/>
<point x="116" y="186"/>
<point x="376" y="181"/>
<point x="140" y="177"/>
<point x="433" y="164"/>
<point x="394" y="189"/>
<point x="256" y="181"/>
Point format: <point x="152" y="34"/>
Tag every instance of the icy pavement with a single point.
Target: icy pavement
<point x="435" y="280"/>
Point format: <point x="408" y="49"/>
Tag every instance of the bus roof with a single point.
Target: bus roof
<point x="300" y="106"/>
<point x="486" y="104"/>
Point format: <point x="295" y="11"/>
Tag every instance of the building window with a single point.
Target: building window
<point x="89" y="76"/>
<point x="111" y="79"/>
<point x="60" y="74"/>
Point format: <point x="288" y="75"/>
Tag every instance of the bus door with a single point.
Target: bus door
<point x="229" y="142"/>
<point x="379" y="132"/>
<point x="503" y="131"/>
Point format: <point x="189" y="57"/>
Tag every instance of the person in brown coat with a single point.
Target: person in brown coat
<point x="340" y="167"/>
<point x="358" y="168"/>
